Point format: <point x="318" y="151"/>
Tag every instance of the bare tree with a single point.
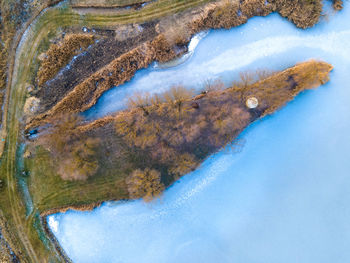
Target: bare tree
<point x="144" y="184"/>
<point x="141" y="101"/>
<point x="82" y="162"/>
<point x="183" y="164"/>
<point x="73" y="151"/>
<point x="177" y="95"/>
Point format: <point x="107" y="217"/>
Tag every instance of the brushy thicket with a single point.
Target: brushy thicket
<point x="338" y="5"/>
<point x="303" y="13"/>
<point x="85" y="94"/>
<point x="178" y="131"/>
<point x="165" y="136"/>
<point x="73" y="151"/>
<point x="60" y="54"/>
<point x="144" y="184"/>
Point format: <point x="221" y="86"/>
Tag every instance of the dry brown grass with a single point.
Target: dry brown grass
<point x="227" y="14"/>
<point x="3" y="67"/>
<point x="303" y="13"/>
<point x="163" y="49"/>
<point x="60" y="54"/>
<point x="4" y="254"/>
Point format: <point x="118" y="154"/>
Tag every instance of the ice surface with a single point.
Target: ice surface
<point x="284" y="198"/>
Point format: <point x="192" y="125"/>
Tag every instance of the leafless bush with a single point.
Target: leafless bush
<point x="144" y="184"/>
<point x="73" y="152"/>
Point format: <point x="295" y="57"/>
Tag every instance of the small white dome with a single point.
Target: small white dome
<point x="252" y="102"/>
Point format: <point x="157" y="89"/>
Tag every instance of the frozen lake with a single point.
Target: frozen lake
<point x="284" y="198"/>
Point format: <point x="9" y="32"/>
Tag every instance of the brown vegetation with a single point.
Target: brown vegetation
<point x="12" y="15"/>
<point x="60" y="54"/>
<point x="227" y="14"/>
<point x="163" y="49"/>
<point x="2" y="184"/>
<point x="144" y="184"/>
<point x="5" y="256"/>
<point x="338" y="4"/>
<point x="178" y="132"/>
<point x="303" y="13"/>
<point x="166" y="46"/>
<point x="159" y="139"/>
<point x="224" y="14"/>
<point x="73" y="152"/>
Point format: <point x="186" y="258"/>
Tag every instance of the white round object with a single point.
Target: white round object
<point x="252" y="103"/>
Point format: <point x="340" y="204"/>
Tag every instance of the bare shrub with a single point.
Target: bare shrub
<point x="303" y="13"/>
<point x="140" y="101"/>
<point x="177" y="142"/>
<point x="163" y="49"/>
<point x="177" y="95"/>
<point x="183" y="164"/>
<point x="213" y="85"/>
<point x="247" y="78"/>
<point x="73" y="152"/>
<point x="82" y="163"/>
<point x="264" y="73"/>
<point x="62" y="131"/>
<point x="338" y="5"/>
<point x="225" y="15"/>
<point x="252" y="8"/>
<point x="144" y="184"/>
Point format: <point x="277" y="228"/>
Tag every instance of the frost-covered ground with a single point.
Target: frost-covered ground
<point x="284" y="198"/>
